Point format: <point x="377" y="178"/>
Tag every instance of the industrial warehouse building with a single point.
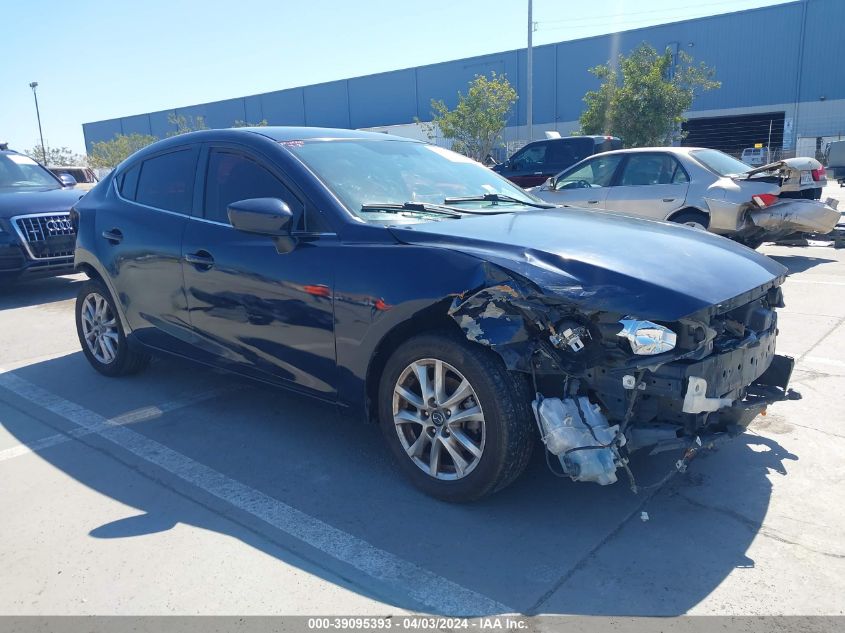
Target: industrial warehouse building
<point x="782" y="70"/>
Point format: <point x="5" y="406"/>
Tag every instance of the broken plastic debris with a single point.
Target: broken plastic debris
<point x="643" y="516"/>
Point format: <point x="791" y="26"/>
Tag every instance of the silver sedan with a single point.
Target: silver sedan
<point x="702" y="188"/>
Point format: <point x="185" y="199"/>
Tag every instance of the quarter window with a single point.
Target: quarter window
<point x="167" y="181"/>
<point x="128" y="182"/>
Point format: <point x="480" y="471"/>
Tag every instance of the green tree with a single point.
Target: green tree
<point x="643" y="97"/>
<point x="56" y="156"/>
<point x="185" y="124"/>
<point x="109" y="154"/>
<point x="240" y="123"/>
<point x="475" y="125"/>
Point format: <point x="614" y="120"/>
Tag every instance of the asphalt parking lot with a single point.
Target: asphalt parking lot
<point x="186" y="491"/>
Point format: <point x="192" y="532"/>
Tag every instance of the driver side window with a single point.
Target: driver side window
<point x="530" y="156"/>
<point x="597" y="172"/>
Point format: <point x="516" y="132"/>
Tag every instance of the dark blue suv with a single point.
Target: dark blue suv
<point x="36" y="236"/>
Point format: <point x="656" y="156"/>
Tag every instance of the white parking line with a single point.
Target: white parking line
<point x="815" y="281"/>
<point x="139" y="415"/>
<point x="824" y="361"/>
<point x="425" y="587"/>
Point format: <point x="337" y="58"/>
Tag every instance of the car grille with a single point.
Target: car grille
<point x="47" y="235"/>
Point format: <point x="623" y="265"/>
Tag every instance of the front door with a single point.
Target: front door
<point x="267" y="313"/>
<point x="586" y="185"/>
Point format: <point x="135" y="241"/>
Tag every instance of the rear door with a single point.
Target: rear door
<point x="266" y="313"/>
<point x="139" y="238"/>
<point x="651" y="185"/>
<point x="586" y="184"/>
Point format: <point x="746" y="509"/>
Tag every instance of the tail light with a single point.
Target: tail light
<point x="764" y="200"/>
<point x="819" y="173"/>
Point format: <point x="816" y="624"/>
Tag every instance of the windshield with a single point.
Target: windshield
<point x="21" y="172"/>
<point x="719" y="162"/>
<point x="365" y="173"/>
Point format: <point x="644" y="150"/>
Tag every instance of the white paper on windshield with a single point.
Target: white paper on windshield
<point x="449" y="154"/>
<point x="20" y="159"/>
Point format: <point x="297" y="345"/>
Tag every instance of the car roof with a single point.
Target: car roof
<point x="285" y="133"/>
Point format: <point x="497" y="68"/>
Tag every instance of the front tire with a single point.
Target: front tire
<point x="457" y="421"/>
<point x="101" y="333"/>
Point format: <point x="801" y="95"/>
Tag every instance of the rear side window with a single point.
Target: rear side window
<point x="232" y="177"/>
<point x="652" y="169"/>
<point x="167" y="181"/>
<point x="565" y="152"/>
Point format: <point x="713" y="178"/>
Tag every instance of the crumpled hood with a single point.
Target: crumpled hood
<point x="607" y="262"/>
<point x="14" y="203"/>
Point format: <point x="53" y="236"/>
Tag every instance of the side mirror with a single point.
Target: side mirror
<point x="67" y="180"/>
<point x="264" y="216"/>
<point x="550" y="183"/>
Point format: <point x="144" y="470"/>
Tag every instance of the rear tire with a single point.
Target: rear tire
<point x="695" y="219"/>
<point x="478" y="420"/>
<point x="101" y="333"/>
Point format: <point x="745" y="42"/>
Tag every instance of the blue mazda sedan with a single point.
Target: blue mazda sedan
<point x="419" y="289"/>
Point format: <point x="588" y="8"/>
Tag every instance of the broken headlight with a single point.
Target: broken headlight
<point x="647" y="338"/>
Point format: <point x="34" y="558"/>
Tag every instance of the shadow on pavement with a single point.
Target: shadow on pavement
<point x="800" y="263"/>
<point x="38" y="291"/>
<point x="543" y="545"/>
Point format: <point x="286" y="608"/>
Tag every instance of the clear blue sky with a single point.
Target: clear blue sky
<point x="100" y="59"/>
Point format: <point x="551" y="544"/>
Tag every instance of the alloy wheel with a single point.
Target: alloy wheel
<point x="99" y="328"/>
<point x="439" y="419"/>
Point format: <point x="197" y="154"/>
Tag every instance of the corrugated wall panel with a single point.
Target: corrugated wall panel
<point x="383" y="99"/>
<point x="160" y="125"/>
<point x="444" y="81"/>
<point x="138" y="124"/>
<point x="327" y="105"/>
<point x="252" y="107"/>
<point x="283" y="107"/>
<point x="100" y="131"/>
<point x="823" y="64"/>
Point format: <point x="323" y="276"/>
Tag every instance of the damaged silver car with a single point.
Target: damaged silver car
<point x="702" y="188"/>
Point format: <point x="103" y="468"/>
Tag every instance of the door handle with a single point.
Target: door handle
<point x="668" y="199"/>
<point x="114" y="236"/>
<point x="592" y="201"/>
<point x="201" y="259"/>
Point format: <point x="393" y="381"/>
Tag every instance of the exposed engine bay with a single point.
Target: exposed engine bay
<point x="608" y="384"/>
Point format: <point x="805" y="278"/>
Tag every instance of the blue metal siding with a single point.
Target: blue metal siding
<point x="283" y="107"/>
<point x="327" y="105"/>
<point x="755" y="53"/>
<point x="383" y="99"/>
<point x="823" y="63"/>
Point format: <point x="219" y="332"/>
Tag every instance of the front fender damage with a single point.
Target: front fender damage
<point x="596" y="401"/>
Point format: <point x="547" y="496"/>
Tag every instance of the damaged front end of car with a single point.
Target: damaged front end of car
<point x="608" y="383"/>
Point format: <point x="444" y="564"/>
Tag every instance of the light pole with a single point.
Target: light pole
<point x="529" y="62"/>
<point x="34" y="85"/>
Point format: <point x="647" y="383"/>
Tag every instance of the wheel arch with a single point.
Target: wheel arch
<point x="689" y="209"/>
<point x="431" y="319"/>
<point x="94" y="272"/>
